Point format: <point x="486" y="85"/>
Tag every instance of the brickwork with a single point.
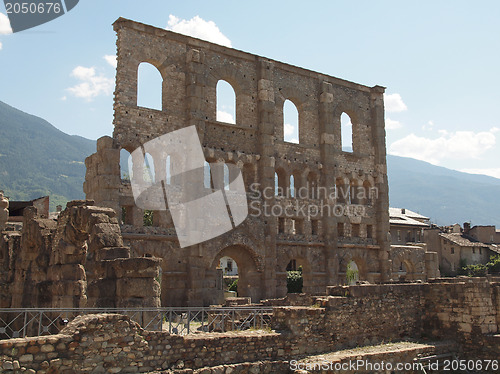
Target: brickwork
<point x="352" y="316"/>
<point x="190" y="70"/>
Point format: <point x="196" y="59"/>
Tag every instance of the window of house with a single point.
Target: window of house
<point x="399" y="235"/>
<point x="473" y="250"/>
<point x="452" y="250"/>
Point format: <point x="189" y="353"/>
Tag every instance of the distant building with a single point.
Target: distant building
<point x="407" y="226"/>
<point x="228" y="266"/>
<point x="409" y="255"/>
<point x="466" y="247"/>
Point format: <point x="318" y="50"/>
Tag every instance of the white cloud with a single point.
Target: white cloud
<point x="198" y="28"/>
<point x="5" y="25"/>
<point x="1" y="46"/>
<point x="288" y="133"/>
<point x="394" y="103"/>
<point x="457" y="145"/>
<point x="92" y="85"/>
<point x="392" y="125"/>
<point x="428" y="126"/>
<point x="491" y="172"/>
<point x="225" y="117"/>
<point x="111" y="59"/>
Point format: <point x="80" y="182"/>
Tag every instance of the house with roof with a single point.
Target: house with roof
<point x="467" y="246"/>
<point x="410" y="258"/>
<point x="407" y="226"/>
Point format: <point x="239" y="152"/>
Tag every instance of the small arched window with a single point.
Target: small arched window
<point x="206" y="175"/>
<point x="149" y="86"/>
<point x="148" y="174"/>
<point x="226" y="102"/>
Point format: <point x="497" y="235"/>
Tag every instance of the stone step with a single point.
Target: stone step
<point x="378" y="358"/>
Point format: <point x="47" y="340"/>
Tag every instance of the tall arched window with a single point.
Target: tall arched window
<point x="226" y="102"/>
<point x="290" y="122"/>
<point x="149" y="86"/>
<point x="347" y="132"/>
<point x="281" y="182"/>
<point x="125" y="165"/>
<point x="292" y="186"/>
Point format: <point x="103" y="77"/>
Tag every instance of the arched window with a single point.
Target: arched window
<point x="149" y="169"/>
<point x="125" y="165"/>
<point x="292" y="186"/>
<point x="341" y="191"/>
<point x="290" y="122"/>
<point x="149" y="87"/>
<point x="281" y="182"/>
<point x="206" y="175"/>
<point x="346" y="132"/>
<point x="367" y="191"/>
<point x="226" y="177"/>
<point x="226" y="102"/>
<point x="168" y="170"/>
<point x="352" y="273"/>
<point x="312" y="185"/>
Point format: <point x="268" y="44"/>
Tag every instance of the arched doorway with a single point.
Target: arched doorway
<point x="249" y="276"/>
<point x="352" y="273"/>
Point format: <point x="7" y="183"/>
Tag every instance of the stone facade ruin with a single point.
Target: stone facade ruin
<point x="262" y="246"/>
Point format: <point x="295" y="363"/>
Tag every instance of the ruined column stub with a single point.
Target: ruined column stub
<point x="352" y="228"/>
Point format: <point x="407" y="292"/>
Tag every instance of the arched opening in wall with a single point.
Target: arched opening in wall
<point x="341" y="191"/>
<point x="206" y="175"/>
<point x="168" y="170"/>
<point x="367" y="191"/>
<point x="405" y="269"/>
<point x="312" y="185"/>
<point x="354" y="192"/>
<point x="249" y="278"/>
<point x="148" y="171"/>
<point x="292" y="186"/>
<point x="346" y="132"/>
<point x="352" y="273"/>
<point x="226" y="177"/>
<point x="294" y="277"/>
<point x="126" y="165"/>
<point x="149" y="86"/>
<point x="281" y="182"/>
<point x="226" y="102"/>
<point x="229" y="269"/>
<point x="249" y="175"/>
<point x="290" y="122"/>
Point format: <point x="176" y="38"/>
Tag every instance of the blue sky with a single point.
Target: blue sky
<point x="438" y="59"/>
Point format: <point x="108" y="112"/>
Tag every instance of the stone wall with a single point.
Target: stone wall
<point x="77" y="261"/>
<point x="465" y="312"/>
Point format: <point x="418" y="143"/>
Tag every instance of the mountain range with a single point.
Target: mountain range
<point x="36" y="159"/>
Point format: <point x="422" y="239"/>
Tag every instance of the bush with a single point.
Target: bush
<point x="479" y="270"/>
<point x="234" y="286"/>
<point x="294" y="281"/>
<point x="494" y="264"/>
<point x="462" y="267"/>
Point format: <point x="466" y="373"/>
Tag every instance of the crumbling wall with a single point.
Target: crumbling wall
<point x="351" y="316"/>
<point x="77" y="261"/>
<point x="4" y="211"/>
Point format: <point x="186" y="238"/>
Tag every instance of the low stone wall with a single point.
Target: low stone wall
<point x="113" y="343"/>
<point x="465" y="311"/>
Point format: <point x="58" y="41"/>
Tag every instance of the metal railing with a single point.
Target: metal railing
<point x="25" y="322"/>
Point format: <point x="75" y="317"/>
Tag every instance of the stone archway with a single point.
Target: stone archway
<point x="249" y="276"/>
